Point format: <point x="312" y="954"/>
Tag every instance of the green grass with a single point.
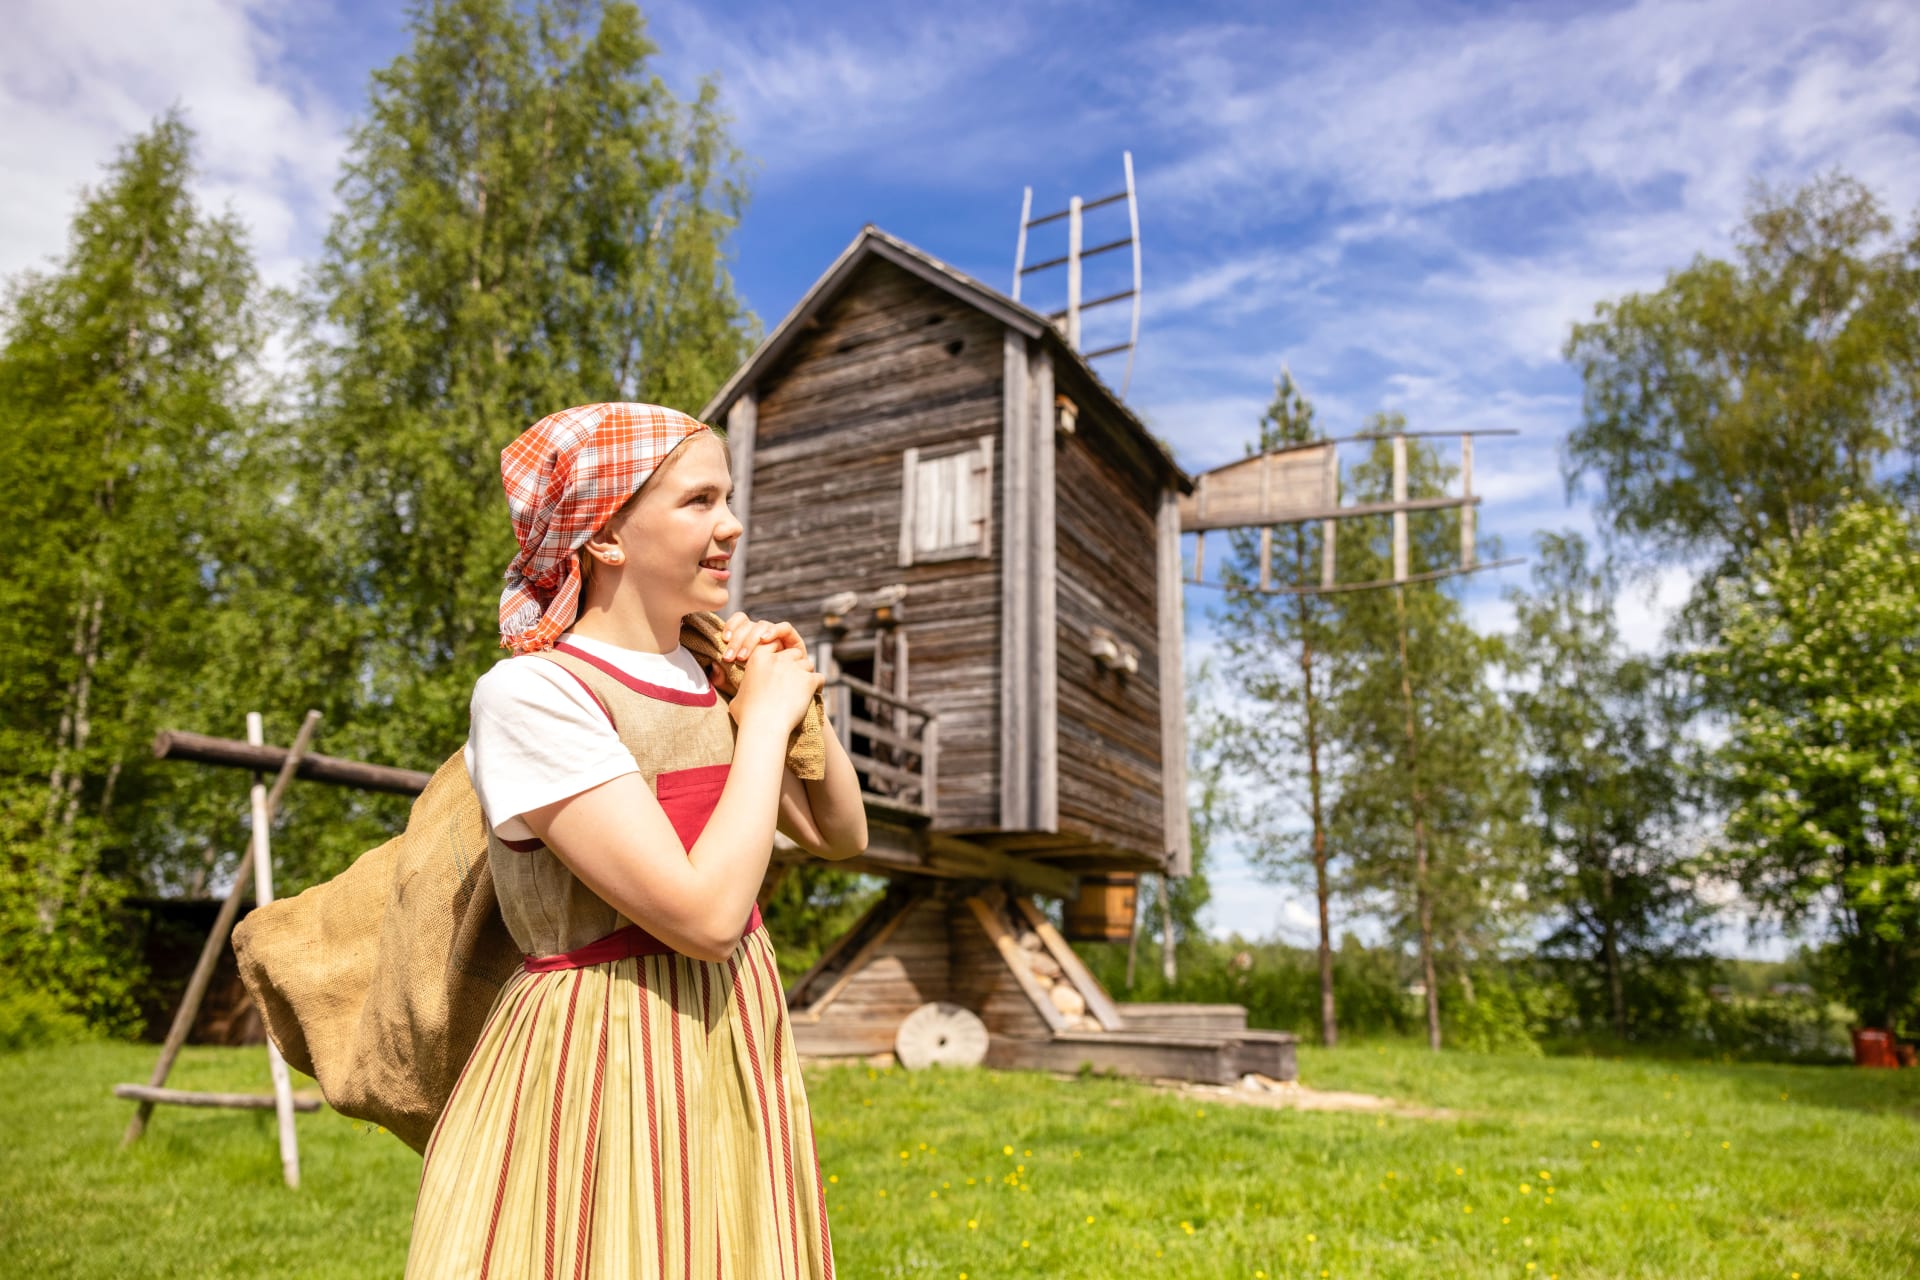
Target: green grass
<point x="1657" y="1169"/>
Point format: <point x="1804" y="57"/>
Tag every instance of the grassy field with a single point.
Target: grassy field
<point x="1544" y="1168"/>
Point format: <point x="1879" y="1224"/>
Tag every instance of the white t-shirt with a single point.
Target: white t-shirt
<point x="538" y="736"/>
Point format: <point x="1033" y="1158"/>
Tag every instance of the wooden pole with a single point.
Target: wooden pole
<point x="216" y="939"/>
<point x="263" y="894"/>
<point x="173" y="744"/>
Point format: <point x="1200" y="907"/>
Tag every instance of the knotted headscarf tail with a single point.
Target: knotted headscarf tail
<point x="565" y="476"/>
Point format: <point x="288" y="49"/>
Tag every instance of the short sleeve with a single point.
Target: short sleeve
<point x="537" y="736"/>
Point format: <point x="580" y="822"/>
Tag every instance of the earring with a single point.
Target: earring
<point x="616" y="557"/>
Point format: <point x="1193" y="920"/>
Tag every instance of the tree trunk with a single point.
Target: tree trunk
<point x="1423" y="896"/>
<point x="1610" y="947"/>
<point x="1329" y="1031"/>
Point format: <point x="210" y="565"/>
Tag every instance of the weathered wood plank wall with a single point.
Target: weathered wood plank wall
<point x="892" y="363"/>
<point x="1111" y="737"/>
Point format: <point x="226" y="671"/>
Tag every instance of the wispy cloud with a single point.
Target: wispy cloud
<point x="78" y="80"/>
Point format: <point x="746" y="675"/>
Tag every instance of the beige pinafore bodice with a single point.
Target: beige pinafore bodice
<point x="682" y="744"/>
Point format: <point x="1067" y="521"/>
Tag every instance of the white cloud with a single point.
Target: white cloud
<point x="76" y="81"/>
<point x="803" y="90"/>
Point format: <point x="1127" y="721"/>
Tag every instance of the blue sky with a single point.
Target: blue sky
<point x="1406" y="204"/>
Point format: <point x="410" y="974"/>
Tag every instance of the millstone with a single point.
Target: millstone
<point x="941" y="1033"/>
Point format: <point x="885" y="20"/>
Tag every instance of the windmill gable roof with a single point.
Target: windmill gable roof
<point x="875" y="243"/>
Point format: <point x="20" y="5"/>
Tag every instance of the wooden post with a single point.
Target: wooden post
<point x="216" y="939"/>
<point x="1400" y="516"/>
<point x="1331" y="493"/>
<point x="263" y="894"/>
<point x="1073" y="273"/>
<point x="1467" y="538"/>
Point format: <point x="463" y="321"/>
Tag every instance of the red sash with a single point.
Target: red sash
<point x="618" y="945"/>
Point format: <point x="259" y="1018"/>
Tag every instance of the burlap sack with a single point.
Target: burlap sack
<point x="377" y="983"/>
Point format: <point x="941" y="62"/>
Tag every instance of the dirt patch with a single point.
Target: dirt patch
<point x="1290" y="1095"/>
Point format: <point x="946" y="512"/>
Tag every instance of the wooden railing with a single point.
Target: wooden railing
<point x="891" y="741"/>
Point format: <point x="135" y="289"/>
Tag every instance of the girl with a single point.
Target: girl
<point x="634" y="1106"/>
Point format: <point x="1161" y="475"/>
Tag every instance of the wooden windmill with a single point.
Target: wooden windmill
<point x="981" y="543"/>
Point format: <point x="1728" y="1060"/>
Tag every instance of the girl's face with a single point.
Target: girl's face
<point x="676" y="538"/>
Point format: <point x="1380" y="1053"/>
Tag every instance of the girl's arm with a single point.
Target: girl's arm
<point x="618" y="840"/>
<point x="826" y="818"/>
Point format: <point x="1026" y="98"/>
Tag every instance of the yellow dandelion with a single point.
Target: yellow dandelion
<point x="1529" y="1266"/>
<point x="1726" y="1146"/>
<point x="903" y="1155"/>
<point x="1526" y="1188"/>
<point x="883" y="1193"/>
<point x="1024" y="1244"/>
<point x="933" y="1195"/>
<point x="1505" y="1221"/>
<point x="1458" y="1172"/>
<point x="833" y="1177"/>
<point x="1466" y="1208"/>
<point x="1027" y="1153"/>
<point x="973" y="1224"/>
<point x="1089" y="1219"/>
<point x="923" y="1146"/>
<point x="1596" y="1144"/>
<point x="1545" y="1176"/>
<point x="1006" y="1151"/>
<point x="1311" y="1238"/>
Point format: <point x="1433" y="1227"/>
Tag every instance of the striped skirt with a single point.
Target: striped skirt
<point x="642" y="1117"/>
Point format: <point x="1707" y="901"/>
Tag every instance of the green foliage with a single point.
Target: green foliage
<point x="1603" y="732"/>
<point x="32" y="1019"/>
<point x="1279" y="985"/>
<point x="812" y="906"/>
<point x="530" y="220"/>
<point x="1466" y="763"/>
<point x="1504" y="1014"/>
<point x="1744" y="400"/>
<point x="1815" y="671"/>
<point x="126" y="430"/>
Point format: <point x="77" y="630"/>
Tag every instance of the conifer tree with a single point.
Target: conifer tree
<point x="1430" y="812"/>
<point x="1281" y="647"/>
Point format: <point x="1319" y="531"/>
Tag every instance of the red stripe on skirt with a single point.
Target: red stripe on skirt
<point x="553" y="1124"/>
<point x="506" y="1159"/>
<point x="820" y="1196"/>
<point x="780" y="1092"/>
<point x="759" y="1083"/>
<point x="647" y="990"/>
<point x="590" y="1180"/>
<point x="680" y="1109"/>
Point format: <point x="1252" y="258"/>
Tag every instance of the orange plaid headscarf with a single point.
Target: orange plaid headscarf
<point x="565" y="476"/>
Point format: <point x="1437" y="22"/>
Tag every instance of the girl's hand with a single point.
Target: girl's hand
<point x="778" y="684"/>
<point x="742" y="635"/>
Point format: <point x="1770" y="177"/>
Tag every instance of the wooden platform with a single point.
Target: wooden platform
<point x="995" y="953"/>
